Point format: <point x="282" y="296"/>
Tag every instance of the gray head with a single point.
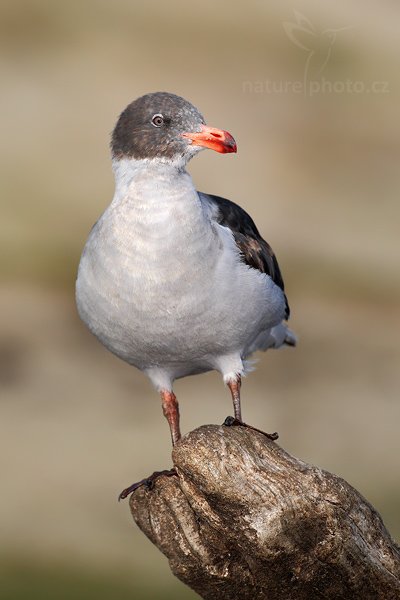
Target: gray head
<point x="165" y="126"/>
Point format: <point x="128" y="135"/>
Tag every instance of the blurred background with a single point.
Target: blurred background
<point x="310" y="91"/>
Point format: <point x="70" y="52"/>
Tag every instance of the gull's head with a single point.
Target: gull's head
<point x="166" y="127"/>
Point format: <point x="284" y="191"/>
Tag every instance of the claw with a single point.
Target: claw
<point x="148" y="482"/>
<point x="232" y="422"/>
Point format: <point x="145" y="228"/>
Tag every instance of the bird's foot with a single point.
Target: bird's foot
<point x="232" y="422"/>
<point x="148" y="482"/>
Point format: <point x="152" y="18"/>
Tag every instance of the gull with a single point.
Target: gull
<point x="174" y="281"/>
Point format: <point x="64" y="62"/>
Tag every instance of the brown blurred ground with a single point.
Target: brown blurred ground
<point x="319" y="174"/>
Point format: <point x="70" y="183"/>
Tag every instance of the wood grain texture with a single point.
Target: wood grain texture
<point x="245" y="520"/>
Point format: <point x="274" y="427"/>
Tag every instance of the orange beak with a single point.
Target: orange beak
<point x="210" y="137"/>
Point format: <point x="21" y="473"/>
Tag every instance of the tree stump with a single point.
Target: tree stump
<point x="243" y="519"/>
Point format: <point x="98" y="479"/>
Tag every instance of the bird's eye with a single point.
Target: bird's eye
<point x="158" y="120"/>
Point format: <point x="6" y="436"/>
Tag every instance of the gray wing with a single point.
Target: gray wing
<point x="255" y="251"/>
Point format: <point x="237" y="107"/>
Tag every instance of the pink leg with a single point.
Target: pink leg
<point x="234" y="386"/>
<point x="170" y="408"/>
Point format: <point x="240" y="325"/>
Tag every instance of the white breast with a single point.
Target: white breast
<point x="160" y="283"/>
